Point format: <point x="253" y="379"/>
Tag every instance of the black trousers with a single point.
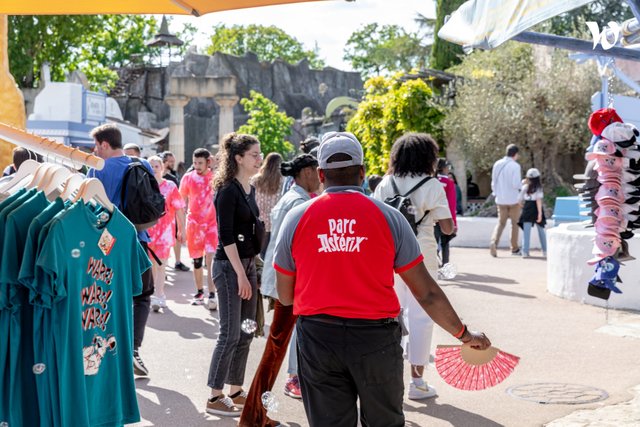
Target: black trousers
<point x="443" y="241"/>
<point x="340" y="363"/>
<point x="142" y="305"/>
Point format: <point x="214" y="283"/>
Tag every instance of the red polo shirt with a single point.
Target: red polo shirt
<point x="343" y="248"/>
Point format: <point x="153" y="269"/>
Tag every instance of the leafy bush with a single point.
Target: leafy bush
<point x="392" y="107"/>
<point x="268" y="124"/>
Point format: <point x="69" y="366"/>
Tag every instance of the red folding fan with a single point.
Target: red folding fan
<point x="466" y="368"/>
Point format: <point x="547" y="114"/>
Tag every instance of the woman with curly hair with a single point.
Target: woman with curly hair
<point x="412" y="168"/>
<point x="234" y="269"/>
<point x="268" y="184"/>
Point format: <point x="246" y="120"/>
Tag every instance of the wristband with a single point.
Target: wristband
<point x="462" y="331"/>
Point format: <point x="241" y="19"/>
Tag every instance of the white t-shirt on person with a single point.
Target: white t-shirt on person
<point x="536" y="195"/>
<point x="429" y="197"/>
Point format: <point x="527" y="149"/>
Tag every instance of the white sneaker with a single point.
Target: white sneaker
<point x="163" y="301"/>
<point x="155" y="304"/>
<point x="212" y="304"/>
<point x="421" y="392"/>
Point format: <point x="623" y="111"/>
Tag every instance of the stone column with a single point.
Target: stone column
<point x="176" y="125"/>
<point x="225" y="119"/>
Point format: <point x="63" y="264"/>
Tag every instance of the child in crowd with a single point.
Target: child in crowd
<point x="459" y="210"/>
<point x="532" y="213"/>
<point x="450" y="190"/>
<point x="163" y="235"/>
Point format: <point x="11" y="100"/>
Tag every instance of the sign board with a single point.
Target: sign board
<point x="95" y="106"/>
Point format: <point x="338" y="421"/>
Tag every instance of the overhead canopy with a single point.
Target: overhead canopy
<point x="97" y="7"/>
<point x="486" y="24"/>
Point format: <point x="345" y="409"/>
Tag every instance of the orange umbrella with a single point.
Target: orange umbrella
<point x="97" y="7"/>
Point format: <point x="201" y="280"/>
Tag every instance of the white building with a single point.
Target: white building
<point x="67" y="112"/>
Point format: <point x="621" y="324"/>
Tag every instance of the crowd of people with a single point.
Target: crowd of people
<point x="343" y="271"/>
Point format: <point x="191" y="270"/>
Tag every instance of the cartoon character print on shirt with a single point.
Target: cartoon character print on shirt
<point x="96" y="314"/>
<point x="92" y="355"/>
<point x="341" y="237"/>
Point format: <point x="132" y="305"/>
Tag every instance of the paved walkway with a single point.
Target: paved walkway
<point x="558" y="342"/>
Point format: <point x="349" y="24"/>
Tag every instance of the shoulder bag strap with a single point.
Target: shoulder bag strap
<point x="394" y="186"/>
<point x="415" y="187"/>
<point x="418" y="185"/>
<point x="500" y="171"/>
<point x="246" y="199"/>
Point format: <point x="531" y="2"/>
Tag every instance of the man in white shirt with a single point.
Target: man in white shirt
<point x="506" y="179"/>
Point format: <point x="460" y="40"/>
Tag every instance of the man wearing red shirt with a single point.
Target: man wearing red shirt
<point x="335" y="257"/>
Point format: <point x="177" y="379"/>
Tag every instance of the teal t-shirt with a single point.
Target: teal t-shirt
<point x="94" y="269"/>
<point x="22" y="381"/>
<point x="47" y="381"/>
<point x="5" y="321"/>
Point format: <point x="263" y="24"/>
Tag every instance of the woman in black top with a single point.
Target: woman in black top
<point x="234" y="269"/>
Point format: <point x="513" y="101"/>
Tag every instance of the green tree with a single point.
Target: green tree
<point x="444" y="54"/>
<point x="93" y="44"/>
<point x="268" y="43"/>
<point x="508" y="97"/>
<point x="600" y="11"/>
<point x="375" y="49"/>
<point x="268" y="124"/>
<point x="391" y="107"/>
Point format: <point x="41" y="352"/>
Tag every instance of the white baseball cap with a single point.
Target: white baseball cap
<point x="340" y="143"/>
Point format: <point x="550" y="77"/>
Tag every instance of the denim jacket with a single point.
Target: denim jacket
<point x="292" y="198"/>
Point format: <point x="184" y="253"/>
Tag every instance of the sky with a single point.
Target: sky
<point x="325" y="23"/>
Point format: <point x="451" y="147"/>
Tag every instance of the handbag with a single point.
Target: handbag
<point x="259" y="230"/>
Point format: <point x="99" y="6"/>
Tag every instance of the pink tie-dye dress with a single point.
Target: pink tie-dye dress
<point x="163" y="234"/>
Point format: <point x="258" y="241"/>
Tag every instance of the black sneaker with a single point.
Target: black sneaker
<point x="138" y="365"/>
<point x="516" y="252"/>
<point x="180" y="266"/>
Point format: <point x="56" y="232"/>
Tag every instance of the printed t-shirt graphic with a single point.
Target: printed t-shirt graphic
<point x="163" y="234"/>
<point x="21" y="353"/>
<point x="46" y="382"/>
<point x="91" y="314"/>
<point x="202" y="232"/>
<point x="325" y="241"/>
<point x="5" y="321"/>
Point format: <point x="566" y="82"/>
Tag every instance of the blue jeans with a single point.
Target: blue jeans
<point x="229" y="359"/>
<point x="293" y="354"/>
<point x="526" y="237"/>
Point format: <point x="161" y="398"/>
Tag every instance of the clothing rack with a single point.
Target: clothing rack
<point x="47" y="147"/>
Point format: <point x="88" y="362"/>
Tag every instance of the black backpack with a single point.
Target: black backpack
<point x="402" y="202"/>
<point x="140" y="198"/>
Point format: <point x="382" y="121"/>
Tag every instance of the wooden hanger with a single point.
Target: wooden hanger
<point x="92" y="189"/>
<point x="71" y="185"/>
<point x="38" y="175"/>
<point x="54" y="179"/>
<point x="48" y="174"/>
<point x="26" y="169"/>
